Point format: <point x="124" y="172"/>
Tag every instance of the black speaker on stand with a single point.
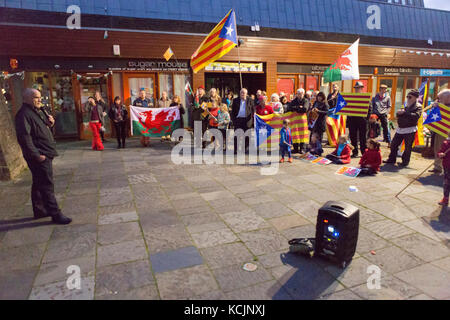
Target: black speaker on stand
<point x="337" y="232"/>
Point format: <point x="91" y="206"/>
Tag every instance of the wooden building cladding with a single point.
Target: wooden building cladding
<point x="61" y="42"/>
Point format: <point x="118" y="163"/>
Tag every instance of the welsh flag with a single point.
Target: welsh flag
<point x="346" y="67"/>
<point x="188" y="89"/>
<point x="154" y="122"/>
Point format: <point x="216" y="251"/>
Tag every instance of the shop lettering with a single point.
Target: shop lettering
<point x="397" y="70"/>
<point x="157" y="64"/>
<point x="433" y="72"/>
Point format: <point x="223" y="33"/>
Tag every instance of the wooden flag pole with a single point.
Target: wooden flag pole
<point x="239" y="63"/>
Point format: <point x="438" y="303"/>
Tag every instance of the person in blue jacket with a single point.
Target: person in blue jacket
<point x="285" y="141"/>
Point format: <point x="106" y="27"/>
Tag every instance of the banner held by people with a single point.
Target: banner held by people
<point x="346" y="67"/>
<point x="218" y="43"/>
<point x="353" y="104"/>
<point x="272" y="124"/>
<point x="154" y="122"/>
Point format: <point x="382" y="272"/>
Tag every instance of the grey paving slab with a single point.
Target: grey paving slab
<point x="119" y="279"/>
<point x="149" y="292"/>
<point x="212" y="295"/>
<point x="185" y="283"/>
<point x="341" y="295"/>
<point x="158" y="219"/>
<point x="16" y="285"/>
<point x="393" y="259"/>
<point x="287" y="222"/>
<point x="264" y="241"/>
<point x="271" y="209"/>
<point x="20" y="237"/>
<point x="354" y="274"/>
<point x="443" y="264"/>
<point x="244" y="221"/>
<point x="167" y="238"/>
<point x="422" y="247"/>
<point x="214" y="238"/>
<point x="175" y="259"/>
<point x="388" y="229"/>
<point x="307" y="209"/>
<point x="304" y="231"/>
<point x="235" y="277"/>
<point x="60" y="291"/>
<point x="74" y="231"/>
<point x="226" y="255"/>
<point x="270" y="290"/>
<point x="432" y="280"/>
<point x="369" y="241"/>
<point x="119" y="232"/>
<point x="121" y="252"/>
<point x="21" y="258"/>
<point x="117" y="218"/>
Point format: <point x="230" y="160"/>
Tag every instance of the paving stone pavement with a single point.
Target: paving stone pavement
<point x="146" y="228"/>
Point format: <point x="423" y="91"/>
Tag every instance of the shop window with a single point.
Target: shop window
<point x="443" y="84"/>
<point x="180" y="81"/>
<point x="63" y="105"/>
<point x="431" y="91"/>
<point x="166" y="84"/>
<point x="286" y="85"/>
<point x="312" y="83"/>
<point x="41" y="82"/>
<point x="137" y="84"/>
<point x="399" y="93"/>
<point x="301" y="81"/>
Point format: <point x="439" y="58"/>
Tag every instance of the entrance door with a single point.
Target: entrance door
<point x="134" y="82"/>
<point x="391" y="83"/>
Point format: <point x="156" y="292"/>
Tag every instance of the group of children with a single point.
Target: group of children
<point x="370" y="161"/>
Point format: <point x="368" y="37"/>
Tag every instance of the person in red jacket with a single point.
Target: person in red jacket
<point x="444" y="154"/>
<point x="342" y="153"/>
<point x="371" y="159"/>
<point x="263" y="109"/>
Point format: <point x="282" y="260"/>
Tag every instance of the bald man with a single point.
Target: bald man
<point x="444" y="98"/>
<point x="39" y="149"/>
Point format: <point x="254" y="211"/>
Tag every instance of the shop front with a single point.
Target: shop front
<point x="66" y="84"/>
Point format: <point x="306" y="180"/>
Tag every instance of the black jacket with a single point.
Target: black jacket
<point x="34" y="134"/>
<point x="197" y="111"/>
<point x="298" y="105"/>
<point x="410" y="117"/>
<point x="249" y="110"/>
<point x="322" y="110"/>
<point x="123" y="111"/>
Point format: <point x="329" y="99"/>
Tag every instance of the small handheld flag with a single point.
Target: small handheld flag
<point x="188" y="89"/>
<point x="438" y="120"/>
<point x="218" y="43"/>
<point x="168" y="54"/>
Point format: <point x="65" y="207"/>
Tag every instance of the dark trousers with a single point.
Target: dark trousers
<point x="224" y="137"/>
<point x="318" y="132"/>
<point x="357" y="127"/>
<point x="384" y="124"/>
<point x="333" y="159"/>
<point x="285" y="149"/>
<point x="241" y="123"/>
<point x="42" y="189"/>
<point x="395" y="144"/>
<point x="446" y="182"/>
<point x="121" y="132"/>
<point x="102" y="135"/>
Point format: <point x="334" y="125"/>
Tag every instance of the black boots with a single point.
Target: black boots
<point x="59" y="218"/>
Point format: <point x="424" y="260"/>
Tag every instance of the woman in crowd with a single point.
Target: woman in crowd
<point x="213" y="114"/>
<point x="263" y="109"/>
<point x="119" y="115"/>
<point x="284" y="102"/>
<point x="96" y="120"/>
<point x="223" y="120"/>
<point x="228" y="100"/>
<point x="319" y="112"/>
<point x="176" y="102"/>
<point x="276" y="104"/>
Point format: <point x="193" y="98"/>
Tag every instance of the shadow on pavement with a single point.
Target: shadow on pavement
<point x="433" y="180"/>
<point x="307" y="280"/>
<point x="22" y="223"/>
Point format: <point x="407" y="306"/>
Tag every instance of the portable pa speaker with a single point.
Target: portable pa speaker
<point x="337" y="231"/>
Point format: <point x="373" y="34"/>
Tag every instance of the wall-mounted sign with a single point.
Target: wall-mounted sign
<point x="151" y="65"/>
<point x="234" y="67"/>
<point x="435" y="72"/>
<point x="398" y="71"/>
<point x="312" y="68"/>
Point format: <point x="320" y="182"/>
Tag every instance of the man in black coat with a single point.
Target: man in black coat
<point x="300" y="105"/>
<point x="197" y="112"/>
<point x="39" y="149"/>
<point x="407" y="127"/>
<point x="242" y="113"/>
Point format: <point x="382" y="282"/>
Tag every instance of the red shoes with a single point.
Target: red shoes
<point x="290" y="160"/>
<point x="282" y="160"/>
<point x="444" y="202"/>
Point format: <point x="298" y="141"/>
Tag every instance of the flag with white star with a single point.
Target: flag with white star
<point x="218" y="43"/>
<point x="438" y="120"/>
<point x="353" y="104"/>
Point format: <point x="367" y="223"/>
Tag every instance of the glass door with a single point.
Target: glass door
<point x="134" y="82"/>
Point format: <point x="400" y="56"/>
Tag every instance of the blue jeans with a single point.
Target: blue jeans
<point x="285" y="149"/>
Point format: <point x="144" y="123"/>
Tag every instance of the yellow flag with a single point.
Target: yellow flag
<point x="168" y="54"/>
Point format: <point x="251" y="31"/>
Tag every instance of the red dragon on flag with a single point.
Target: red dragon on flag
<point x="154" y="122"/>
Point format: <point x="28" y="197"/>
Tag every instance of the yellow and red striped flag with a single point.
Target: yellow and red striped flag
<point x="218" y="43"/>
<point x="353" y="104"/>
<point x="298" y="125"/>
<point x="335" y="128"/>
<point x="168" y="54"/>
<point x="438" y="120"/>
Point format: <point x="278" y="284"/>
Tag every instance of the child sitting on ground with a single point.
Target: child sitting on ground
<point x="315" y="147"/>
<point x="371" y="159"/>
<point x="444" y="154"/>
<point x="342" y="153"/>
<point x="374" y="127"/>
<point x="285" y="141"/>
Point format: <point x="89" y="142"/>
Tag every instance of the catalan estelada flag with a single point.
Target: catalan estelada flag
<point x="353" y="104"/>
<point x="335" y="127"/>
<point x="272" y="124"/>
<point x="168" y="54"/>
<point x="218" y="43"/>
<point x="438" y="120"/>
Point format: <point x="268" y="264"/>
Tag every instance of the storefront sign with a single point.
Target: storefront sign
<point x="234" y="67"/>
<point x="156" y="66"/>
<point x="312" y="68"/>
<point x="435" y="72"/>
<point x="394" y="71"/>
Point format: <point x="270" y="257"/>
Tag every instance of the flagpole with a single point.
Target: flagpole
<point x="239" y="63"/>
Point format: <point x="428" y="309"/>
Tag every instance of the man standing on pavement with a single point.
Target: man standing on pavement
<point x="242" y="113"/>
<point x="407" y="119"/>
<point x="143" y="102"/>
<point x="38" y="149"/>
<point x="300" y="105"/>
<point x="333" y="96"/>
<point x="444" y="98"/>
<point x="381" y="106"/>
<point x="357" y="126"/>
<point x="197" y="112"/>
